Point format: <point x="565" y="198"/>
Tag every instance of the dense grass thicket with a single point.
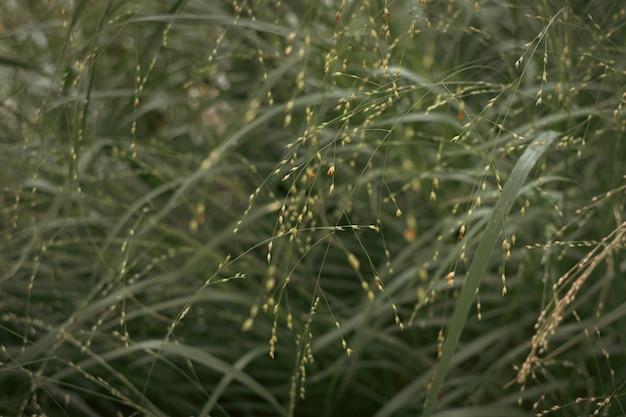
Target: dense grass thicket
<point x="312" y="208"/>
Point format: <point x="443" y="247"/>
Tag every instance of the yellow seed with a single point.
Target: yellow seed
<point x="354" y="262"/>
<point x="247" y="325"/>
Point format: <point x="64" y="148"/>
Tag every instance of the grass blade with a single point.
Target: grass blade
<point x="481" y="259"/>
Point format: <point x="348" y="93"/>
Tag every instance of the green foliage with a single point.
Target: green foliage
<point x="252" y="208"/>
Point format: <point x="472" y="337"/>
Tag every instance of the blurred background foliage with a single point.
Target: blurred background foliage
<point x="250" y="208"/>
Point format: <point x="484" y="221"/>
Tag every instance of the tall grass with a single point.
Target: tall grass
<point x="255" y="208"/>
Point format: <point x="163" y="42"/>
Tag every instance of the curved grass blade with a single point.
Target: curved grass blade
<point x="481" y="260"/>
<point x="157" y="347"/>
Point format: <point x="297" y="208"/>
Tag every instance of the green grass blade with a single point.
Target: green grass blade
<point x="481" y="259"/>
<point x="487" y="411"/>
<point x="229" y="371"/>
<point x="228" y="378"/>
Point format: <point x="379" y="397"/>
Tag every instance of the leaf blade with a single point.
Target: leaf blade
<point x="481" y="259"/>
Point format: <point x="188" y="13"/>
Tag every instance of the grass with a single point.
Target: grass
<point x="278" y="208"/>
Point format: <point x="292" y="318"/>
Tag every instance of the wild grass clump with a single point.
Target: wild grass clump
<point x="337" y="208"/>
